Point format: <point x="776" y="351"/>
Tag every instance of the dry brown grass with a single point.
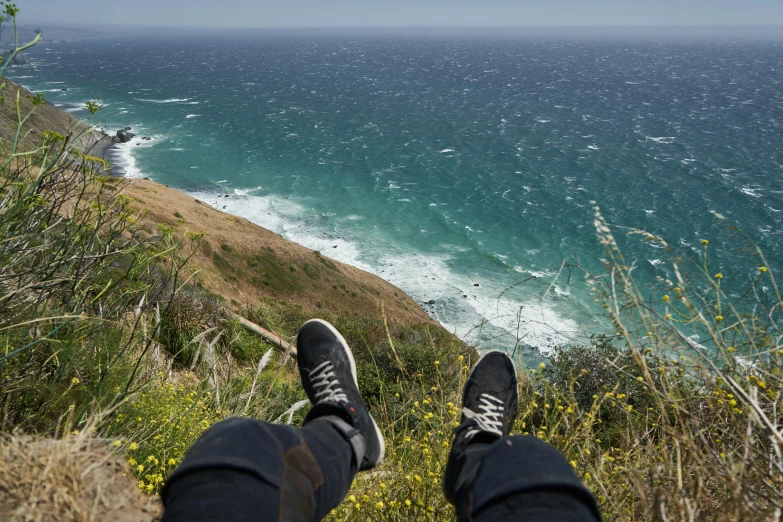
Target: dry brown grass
<point x="75" y="478"/>
<point x="46" y="117"/>
<point x="243" y="262"/>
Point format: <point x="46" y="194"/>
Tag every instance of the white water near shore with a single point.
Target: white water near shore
<point x="460" y="306"/>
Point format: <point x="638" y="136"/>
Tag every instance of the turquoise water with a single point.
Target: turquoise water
<point x="454" y="167"/>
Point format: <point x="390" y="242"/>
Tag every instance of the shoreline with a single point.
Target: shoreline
<point x="539" y="319"/>
<point x="110" y="151"/>
<point x="101" y="147"/>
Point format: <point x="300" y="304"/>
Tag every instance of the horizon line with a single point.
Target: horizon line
<point x="543" y="26"/>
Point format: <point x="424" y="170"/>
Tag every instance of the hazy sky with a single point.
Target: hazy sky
<point x="401" y="13"/>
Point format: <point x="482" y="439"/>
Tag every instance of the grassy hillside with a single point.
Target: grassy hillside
<point x="17" y="107"/>
<point x="119" y="347"/>
<point x="242" y="262"/>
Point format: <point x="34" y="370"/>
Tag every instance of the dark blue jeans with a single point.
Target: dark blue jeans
<point x="243" y="470"/>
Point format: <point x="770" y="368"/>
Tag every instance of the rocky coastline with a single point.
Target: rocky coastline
<point x="107" y="147"/>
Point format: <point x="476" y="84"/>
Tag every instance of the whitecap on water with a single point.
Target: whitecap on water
<point x="245" y="192"/>
<point x="170" y="100"/>
<point x="534" y="273"/>
<point x="666" y="140"/>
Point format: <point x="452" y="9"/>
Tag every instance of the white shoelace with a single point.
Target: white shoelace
<point x="490" y="418"/>
<point x="325" y="385"/>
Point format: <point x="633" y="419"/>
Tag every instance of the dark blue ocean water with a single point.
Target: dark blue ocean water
<point x="445" y="163"/>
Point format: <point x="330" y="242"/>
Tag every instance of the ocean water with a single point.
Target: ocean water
<point x="459" y="169"/>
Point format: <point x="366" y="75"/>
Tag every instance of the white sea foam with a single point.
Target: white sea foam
<point x="666" y="140"/>
<point x="245" y="192"/>
<point x="446" y="150"/>
<point x="189" y="116"/>
<point x="423" y="277"/>
<point x="534" y="273"/>
<point x="537" y="323"/>
<point x="123" y="161"/>
<point x="751" y="191"/>
<point x="593" y="147"/>
<point x="170" y="100"/>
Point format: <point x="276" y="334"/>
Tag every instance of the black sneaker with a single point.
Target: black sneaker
<point x="489" y="405"/>
<point x="328" y="374"/>
<point x="489" y="398"/>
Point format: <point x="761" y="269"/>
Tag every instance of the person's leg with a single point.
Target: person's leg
<point x="493" y="477"/>
<point x="524" y="478"/>
<point x="242" y="469"/>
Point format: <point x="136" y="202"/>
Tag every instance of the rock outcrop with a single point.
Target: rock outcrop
<point x="19" y="59"/>
<point x="123" y="136"/>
